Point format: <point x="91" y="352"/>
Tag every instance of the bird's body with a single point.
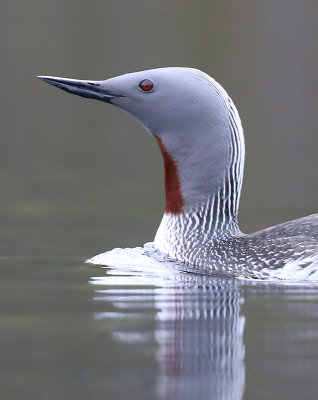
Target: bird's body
<point x="199" y="132"/>
<point x="293" y="244"/>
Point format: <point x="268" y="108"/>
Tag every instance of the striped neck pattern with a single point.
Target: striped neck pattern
<point x="231" y="191"/>
<point x="183" y="235"/>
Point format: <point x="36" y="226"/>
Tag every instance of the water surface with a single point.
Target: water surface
<point x="71" y="330"/>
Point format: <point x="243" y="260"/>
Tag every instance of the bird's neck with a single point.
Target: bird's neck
<point x="202" y="206"/>
<point x="174" y="197"/>
<point x="181" y="235"/>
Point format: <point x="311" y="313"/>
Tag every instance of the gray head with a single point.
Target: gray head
<point x="196" y="125"/>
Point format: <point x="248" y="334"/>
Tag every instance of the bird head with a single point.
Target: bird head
<point x="188" y="113"/>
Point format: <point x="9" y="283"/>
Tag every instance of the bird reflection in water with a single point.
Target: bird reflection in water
<point x="197" y="326"/>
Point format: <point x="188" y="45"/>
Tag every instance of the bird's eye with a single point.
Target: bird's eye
<point x="146" y="85"/>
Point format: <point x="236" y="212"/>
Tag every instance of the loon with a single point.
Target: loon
<point x="200" y="135"/>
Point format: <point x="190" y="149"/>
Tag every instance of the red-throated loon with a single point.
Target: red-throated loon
<point x="200" y="135"/>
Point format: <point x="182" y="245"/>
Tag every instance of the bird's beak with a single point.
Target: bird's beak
<point x="90" y="89"/>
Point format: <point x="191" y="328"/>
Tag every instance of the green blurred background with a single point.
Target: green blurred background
<point x="80" y="177"/>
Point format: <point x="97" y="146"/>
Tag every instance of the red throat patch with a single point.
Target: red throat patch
<point x="174" y="199"/>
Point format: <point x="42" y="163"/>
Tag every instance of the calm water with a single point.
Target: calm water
<point x="72" y="330"/>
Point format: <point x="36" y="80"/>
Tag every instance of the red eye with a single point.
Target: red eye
<point x="146" y="85"/>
